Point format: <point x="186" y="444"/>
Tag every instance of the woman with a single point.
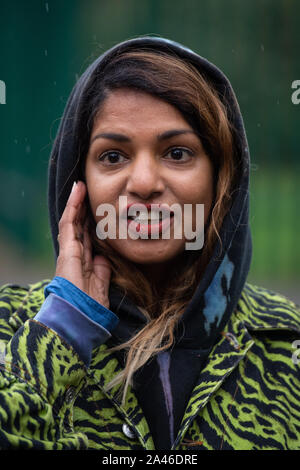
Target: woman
<point x="140" y="343"/>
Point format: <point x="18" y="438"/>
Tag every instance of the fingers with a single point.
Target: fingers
<point x="87" y="261"/>
<point x="76" y="198"/>
<point x="70" y="224"/>
<point x="75" y="261"/>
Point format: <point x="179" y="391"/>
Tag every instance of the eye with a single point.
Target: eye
<point x="112" y="157"/>
<point x="179" y="154"/>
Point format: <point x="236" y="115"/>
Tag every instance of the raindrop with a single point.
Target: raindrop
<point x="28" y="149"/>
<point x="54" y="83"/>
<point x="16" y="141"/>
<point x="46" y="52"/>
<point x="47" y="7"/>
<point x="262" y="47"/>
<point x="23" y="193"/>
<point x="258" y="124"/>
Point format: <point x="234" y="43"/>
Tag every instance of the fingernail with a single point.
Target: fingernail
<point x="73" y="187"/>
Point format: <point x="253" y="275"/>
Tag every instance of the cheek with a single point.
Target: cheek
<point x="196" y="190"/>
<point x="100" y="189"/>
<point x="96" y="194"/>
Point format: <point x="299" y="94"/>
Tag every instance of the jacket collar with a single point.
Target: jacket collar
<point x="234" y="343"/>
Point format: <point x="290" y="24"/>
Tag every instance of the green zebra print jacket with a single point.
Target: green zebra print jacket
<point x="246" y="397"/>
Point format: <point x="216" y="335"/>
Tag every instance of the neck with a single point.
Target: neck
<point x="156" y="274"/>
<point x="159" y="274"/>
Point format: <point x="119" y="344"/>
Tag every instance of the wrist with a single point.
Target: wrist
<point x="89" y="306"/>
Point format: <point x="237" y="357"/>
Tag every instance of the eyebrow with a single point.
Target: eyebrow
<point x="124" y="138"/>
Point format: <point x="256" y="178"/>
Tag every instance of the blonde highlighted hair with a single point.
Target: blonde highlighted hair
<point x="179" y="83"/>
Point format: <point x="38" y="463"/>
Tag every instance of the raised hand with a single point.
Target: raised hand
<point x="75" y="262"/>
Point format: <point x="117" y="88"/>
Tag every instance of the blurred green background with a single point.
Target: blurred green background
<point x="45" y="46"/>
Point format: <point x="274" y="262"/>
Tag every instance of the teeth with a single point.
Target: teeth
<point x="146" y="221"/>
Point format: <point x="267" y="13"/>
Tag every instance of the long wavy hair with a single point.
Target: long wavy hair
<point x="180" y="84"/>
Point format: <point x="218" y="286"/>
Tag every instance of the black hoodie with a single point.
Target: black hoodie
<point x="165" y="384"/>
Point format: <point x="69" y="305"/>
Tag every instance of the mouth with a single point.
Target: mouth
<point x="149" y="219"/>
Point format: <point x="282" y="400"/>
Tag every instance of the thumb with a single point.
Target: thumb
<point x="102" y="269"/>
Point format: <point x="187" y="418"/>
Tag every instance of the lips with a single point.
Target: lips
<point x="144" y="211"/>
<point x="148" y="212"/>
<point x="149" y="219"/>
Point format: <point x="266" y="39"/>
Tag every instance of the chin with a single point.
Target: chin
<point x="145" y="252"/>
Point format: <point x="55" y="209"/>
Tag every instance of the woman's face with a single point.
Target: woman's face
<point x="141" y="147"/>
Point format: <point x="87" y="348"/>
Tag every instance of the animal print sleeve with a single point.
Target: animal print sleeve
<point x="40" y="377"/>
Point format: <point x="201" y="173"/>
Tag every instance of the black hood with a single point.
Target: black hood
<point x="225" y="275"/>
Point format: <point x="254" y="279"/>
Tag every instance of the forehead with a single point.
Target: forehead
<point x="127" y="108"/>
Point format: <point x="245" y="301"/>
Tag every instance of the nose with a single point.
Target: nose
<point x="145" y="177"/>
